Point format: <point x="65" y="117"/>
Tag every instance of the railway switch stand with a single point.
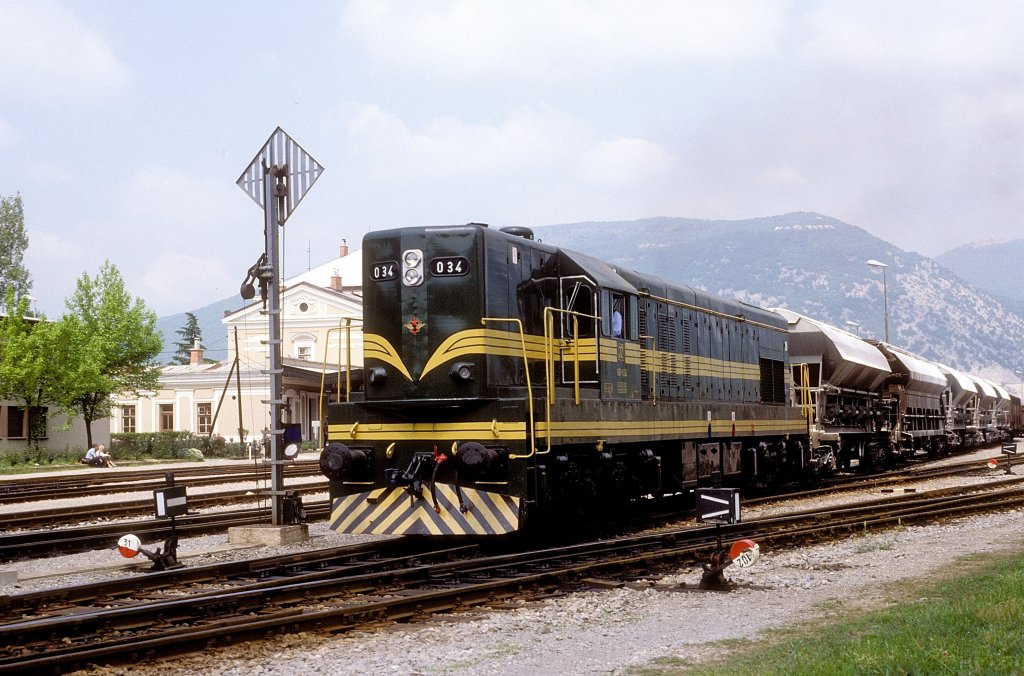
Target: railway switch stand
<point x="1009" y="450"/>
<point x="718" y="506"/>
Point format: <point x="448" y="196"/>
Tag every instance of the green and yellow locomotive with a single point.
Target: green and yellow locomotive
<point x="507" y="382"/>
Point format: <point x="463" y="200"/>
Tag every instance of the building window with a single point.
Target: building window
<point x="128" y="419"/>
<point x="302" y="346"/>
<point x="204" y="416"/>
<point x="166" y="417"/>
<point x="15" y="422"/>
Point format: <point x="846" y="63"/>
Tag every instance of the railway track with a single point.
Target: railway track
<point x="38" y="543"/>
<point x="87" y="627"/>
<point x="27" y="534"/>
<point x="108" y="482"/>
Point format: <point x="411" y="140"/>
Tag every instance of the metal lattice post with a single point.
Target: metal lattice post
<point x="270" y="275"/>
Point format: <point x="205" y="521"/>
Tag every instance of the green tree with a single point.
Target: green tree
<point x="189" y="334"/>
<point x="31" y="352"/>
<point x="117" y="341"/>
<point x="13" y="242"/>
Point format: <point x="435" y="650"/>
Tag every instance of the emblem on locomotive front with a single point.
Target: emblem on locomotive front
<point x="415" y="326"/>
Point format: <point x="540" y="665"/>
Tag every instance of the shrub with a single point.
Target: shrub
<point x="172" y="446"/>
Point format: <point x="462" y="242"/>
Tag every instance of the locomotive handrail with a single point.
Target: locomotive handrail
<point x="529" y="385"/>
<point x="347" y="328"/>
<point x="549" y="348"/>
<point x="549" y="359"/>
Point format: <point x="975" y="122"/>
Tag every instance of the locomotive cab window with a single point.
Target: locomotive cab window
<point x="617" y="320"/>
<point x="578" y="301"/>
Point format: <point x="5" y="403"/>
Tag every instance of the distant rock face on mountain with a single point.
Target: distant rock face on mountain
<point x="996" y="268"/>
<point x="817" y="265"/>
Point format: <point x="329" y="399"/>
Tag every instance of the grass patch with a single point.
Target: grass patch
<point x="965" y="625"/>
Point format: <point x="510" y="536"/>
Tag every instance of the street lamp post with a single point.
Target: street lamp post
<point x="885" y="293"/>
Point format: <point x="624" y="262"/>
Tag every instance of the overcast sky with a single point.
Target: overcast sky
<point x="124" y="125"/>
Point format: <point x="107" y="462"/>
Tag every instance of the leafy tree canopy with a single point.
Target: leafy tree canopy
<point x="117" y="339"/>
<point x="13" y="242"/>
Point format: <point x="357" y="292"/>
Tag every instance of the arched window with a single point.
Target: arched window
<point x="304" y="346"/>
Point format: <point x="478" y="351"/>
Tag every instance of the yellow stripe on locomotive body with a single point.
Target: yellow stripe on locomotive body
<point x="489" y="431"/>
<point x="392" y="511"/>
<point x="497" y="343"/>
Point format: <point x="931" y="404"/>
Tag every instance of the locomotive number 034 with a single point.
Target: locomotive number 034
<point x="449" y="266"/>
<point x="382" y="271"/>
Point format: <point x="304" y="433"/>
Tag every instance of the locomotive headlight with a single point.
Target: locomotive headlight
<point x="412" y="260"/>
<point x="462" y="370"/>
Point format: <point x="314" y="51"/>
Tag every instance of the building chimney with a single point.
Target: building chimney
<point x="195" y="355"/>
<point x="343" y="249"/>
<point x="336" y="281"/>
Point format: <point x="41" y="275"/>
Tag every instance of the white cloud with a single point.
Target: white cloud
<point x="923" y="34"/>
<point x="559" y="38"/>
<point x="624" y="162"/>
<point x="447" y="147"/>
<point x="782" y="177"/>
<point x="49" y="52"/>
<point x="530" y="168"/>
<point x="8" y="134"/>
<point x="176" y="206"/>
<point x="173" y="281"/>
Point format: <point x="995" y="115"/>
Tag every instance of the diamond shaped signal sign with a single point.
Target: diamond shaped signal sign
<point x="301" y="172"/>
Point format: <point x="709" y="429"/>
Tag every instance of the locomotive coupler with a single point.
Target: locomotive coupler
<point x="412" y="477"/>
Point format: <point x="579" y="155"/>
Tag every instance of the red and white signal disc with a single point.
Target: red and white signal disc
<point x="129" y="546"/>
<point x="744" y="553"/>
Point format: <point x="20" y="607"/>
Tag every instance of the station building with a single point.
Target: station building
<point x="322" y="356"/>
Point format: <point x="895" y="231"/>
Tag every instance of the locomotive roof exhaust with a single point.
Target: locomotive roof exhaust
<point x="519" y="231"/>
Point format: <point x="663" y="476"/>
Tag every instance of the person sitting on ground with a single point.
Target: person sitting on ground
<point x="104" y="457"/>
<point x="91" y="458"/>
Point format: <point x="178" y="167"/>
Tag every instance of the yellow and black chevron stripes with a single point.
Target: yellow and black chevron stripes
<point x="509" y="344"/>
<point x="392" y="511"/>
<point x="503" y="343"/>
<point x="430" y="432"/>
<point x="378" y="347"/>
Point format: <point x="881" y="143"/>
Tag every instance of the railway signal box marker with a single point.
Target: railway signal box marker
<point x="170" y="501"/>
<point x="718" y="505"/>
